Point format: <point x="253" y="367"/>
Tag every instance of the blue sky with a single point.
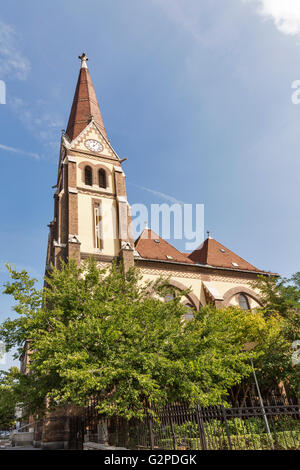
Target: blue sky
<point x="197" y="96"/>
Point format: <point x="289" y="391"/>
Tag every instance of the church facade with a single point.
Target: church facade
<point x="92" y="218"/>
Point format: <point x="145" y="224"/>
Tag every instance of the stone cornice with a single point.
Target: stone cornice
<point x="207" y="267"/>
<point x="95" y="192"/>
<point x="85" y="154"/>
<point x="98" y="257"/>
<point x="156" y="267"/>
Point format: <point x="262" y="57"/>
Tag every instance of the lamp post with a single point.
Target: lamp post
<point x="250" y="347"/>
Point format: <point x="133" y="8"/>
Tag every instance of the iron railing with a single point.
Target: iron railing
<point x="179" y="426"/>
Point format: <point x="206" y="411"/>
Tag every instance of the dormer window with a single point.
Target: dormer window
<point x="88" y="176"/>
<point x="102" y="178"/>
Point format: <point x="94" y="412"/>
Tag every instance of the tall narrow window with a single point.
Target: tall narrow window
<point x="88" y="176"/>
<point x="190" y="314"/>
<point x="102" y="178"/>
<point x="244" y="302"/>
<point x="98" y="226"/>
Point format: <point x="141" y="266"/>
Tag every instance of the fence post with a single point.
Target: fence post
<point x="226" y="426"/>
<point x="199" y="418"/>
<point x="263" y="411"/>
<point x="151" y="435"/>
<point x="173" y="431"/>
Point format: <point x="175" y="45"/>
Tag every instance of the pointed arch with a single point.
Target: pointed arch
<point x="240" y="290"/>
<point x="95" y="169"/>
<point x="192" y="298"/>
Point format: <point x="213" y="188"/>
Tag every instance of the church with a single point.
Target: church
<point x="92" y="218"/>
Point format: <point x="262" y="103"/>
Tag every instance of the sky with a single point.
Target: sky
<point x="196" y="95"/>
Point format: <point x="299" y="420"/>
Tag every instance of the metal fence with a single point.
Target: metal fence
<point x="276" y="426"/>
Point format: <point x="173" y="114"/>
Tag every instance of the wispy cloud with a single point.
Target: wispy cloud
<point x="12" y="62"/>
<point x="284" y="13"/>
<point x="36" y="117"/>
<point x="159" y="194"/>
<point x="6" y="148"/>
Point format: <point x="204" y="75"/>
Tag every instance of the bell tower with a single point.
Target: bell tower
<point x="91" y="211"/>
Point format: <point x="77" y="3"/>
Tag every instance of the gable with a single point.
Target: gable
<point x="92" y="132"/>
<point x="213" y="253"/>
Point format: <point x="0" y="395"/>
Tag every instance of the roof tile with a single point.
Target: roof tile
<point x="85" y="105"/>
<point x="161" y="250"/>
<point x="215" y="254"/>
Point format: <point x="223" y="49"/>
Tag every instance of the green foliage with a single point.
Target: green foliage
<point x="279" y="295"/>
<point x="248" y="434"/>
<point x="95" y="332"/>
<point x="280" y="298"/>
<point x="223" y="334"/>
<point x="283" y="441"/>
<point x="7" y="398"/>
<point x="236" y="426"/>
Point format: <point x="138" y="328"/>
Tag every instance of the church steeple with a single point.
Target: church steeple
<point x="85" y="104"/>
<point x="91" y="211"/>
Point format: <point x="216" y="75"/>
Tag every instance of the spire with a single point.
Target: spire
<point x="85" y="105"/>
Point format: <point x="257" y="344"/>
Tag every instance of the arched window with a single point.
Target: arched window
<point x="88" y="176"/>
<point x="102" y="178"/>
<point x="244" y="302"/>
<point x="190" y="314"/>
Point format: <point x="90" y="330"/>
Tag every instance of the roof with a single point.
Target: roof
<point x="149" y="245"/>
<point x="85" y="106"/>
<point x="211" y="253"/>
<point x="215" y="254"/>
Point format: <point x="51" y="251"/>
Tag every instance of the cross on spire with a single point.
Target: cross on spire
<point x="83" y="57"/>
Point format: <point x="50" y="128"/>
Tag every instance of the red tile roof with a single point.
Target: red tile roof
<point x="85" y="105"/>
<point x="214" y="254"/>
<point x="152" y="246"/>
<point x="211" y="253"/>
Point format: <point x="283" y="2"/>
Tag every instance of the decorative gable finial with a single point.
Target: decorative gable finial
<point x="83" y="57"/>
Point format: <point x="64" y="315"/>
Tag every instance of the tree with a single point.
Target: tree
<point x="99" y="333"/>
<point x="7" y="398"/>
<point x="226" y="332"/>
<point x="281" y="297"/>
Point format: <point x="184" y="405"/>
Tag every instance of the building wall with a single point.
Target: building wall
<point x="111" y="245"/>
<point x="82" y="161"/>
<point x="196" y="281"/>
<point x="88" y="195"/>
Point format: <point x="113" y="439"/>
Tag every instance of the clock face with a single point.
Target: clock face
<point x="93" y="145"/>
